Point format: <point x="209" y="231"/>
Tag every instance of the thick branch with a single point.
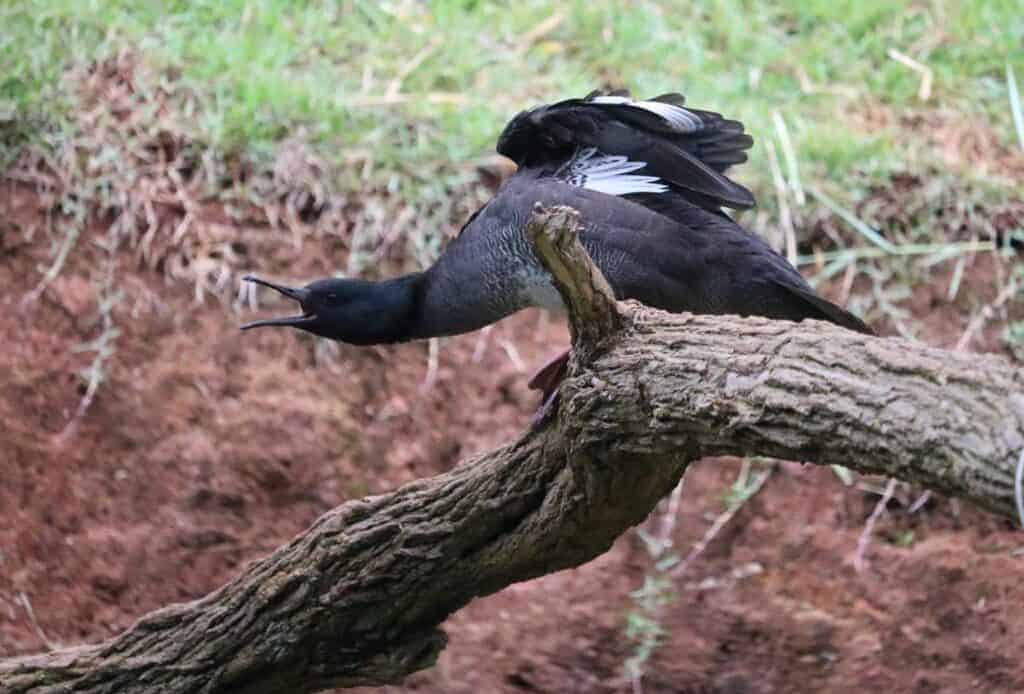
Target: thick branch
<point x="357" y="599"/>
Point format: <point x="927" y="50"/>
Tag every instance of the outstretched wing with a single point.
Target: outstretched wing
<point x="621" y="146"/>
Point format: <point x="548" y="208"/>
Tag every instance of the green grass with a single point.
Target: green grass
<point x="266" y="69"/>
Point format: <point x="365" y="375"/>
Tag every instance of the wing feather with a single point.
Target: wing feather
<point x="669" y="148"/>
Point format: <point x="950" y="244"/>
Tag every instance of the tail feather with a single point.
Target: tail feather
<point x="826" y="310"/>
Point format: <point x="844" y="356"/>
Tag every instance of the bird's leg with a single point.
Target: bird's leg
<point x="545" y="412"/>
<point x="551" y="374"/>
<point x="547" y="380"/>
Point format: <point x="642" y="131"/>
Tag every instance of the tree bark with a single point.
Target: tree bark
<point x="357" y="599"/>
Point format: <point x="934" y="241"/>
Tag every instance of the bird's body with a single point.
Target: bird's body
<point x="702" y="263"/>
<point x="647" y="179"/>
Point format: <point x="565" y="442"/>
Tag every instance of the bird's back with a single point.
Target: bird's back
<point x="650" y="208"/>
<point x="703" y="264"/>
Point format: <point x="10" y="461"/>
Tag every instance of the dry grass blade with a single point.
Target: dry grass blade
<point x="919" y="502"/>
<point x="433" y="354"/>
<point x="985" y="314"/>
<point x="1015" y="108"/>
<point x="71" y="233"/>
<point x="513" y="355"/>
<point x="785" y="217"/>
<point x="395" y="87"/>
<point x="747" y="491"/>
<point x="924" y="92"/>
<point x="905" y="249"/>
<point x="539" y="31"/>
<point x="358" y="100"/>
<point x="808" y="86"/>
<point x="1019" y="487"/>
<point x="482" y="341"/>
<point x="956" y="279"/>
<point x="844" y="474"/>
<point x="25" y="603"/>
<point x="789" y="155"/>
<point x="859" y="560"/>
<point x="859" y="225"/>
<point x="671" y="515"/>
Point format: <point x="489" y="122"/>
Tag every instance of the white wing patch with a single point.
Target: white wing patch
<point x="611" y="174"/>
<point x="677" y="116"/>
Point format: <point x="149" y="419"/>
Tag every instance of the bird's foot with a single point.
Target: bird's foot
<point x="547" y="380"/>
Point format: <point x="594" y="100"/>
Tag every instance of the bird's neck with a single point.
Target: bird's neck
<point x="447" y="299"/>
<point x="419" y="306"/>
<point x="390" y="311"/>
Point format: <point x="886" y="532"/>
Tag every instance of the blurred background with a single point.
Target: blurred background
<point x="152" y="153"/>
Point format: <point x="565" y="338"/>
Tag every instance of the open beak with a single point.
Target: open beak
<point x="299" y="295"/>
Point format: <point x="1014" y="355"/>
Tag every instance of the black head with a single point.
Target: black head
<point x="352" y="311"/>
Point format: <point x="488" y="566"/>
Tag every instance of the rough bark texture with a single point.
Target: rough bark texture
<point x="357" y="599"/>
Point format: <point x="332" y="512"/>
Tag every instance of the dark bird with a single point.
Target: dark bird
<point x="648" y="180"/>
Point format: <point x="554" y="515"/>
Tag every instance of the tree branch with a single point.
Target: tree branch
<point x="589" y="300"/>
<point x="357" y="598"/>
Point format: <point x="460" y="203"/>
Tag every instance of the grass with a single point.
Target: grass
<point x="423" y="87"/>
<point x="643" y="621"/>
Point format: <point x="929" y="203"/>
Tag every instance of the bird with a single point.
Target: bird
<point x="647" y="178"/>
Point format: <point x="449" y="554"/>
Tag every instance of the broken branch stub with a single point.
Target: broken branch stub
<point x="589" y="300"/>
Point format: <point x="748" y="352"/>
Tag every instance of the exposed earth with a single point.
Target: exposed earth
<point x="205" y="448"/>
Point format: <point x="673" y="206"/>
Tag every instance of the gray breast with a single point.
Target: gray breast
<point x="536" y="289"/>
<point x="532" y="284"/>
<point x="490" y="270"/>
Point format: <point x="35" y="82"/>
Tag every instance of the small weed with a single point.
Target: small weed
<point x="104" y="345"/>
<point x="643" y="625"/>
<point x="1013" y="338"/>
<point x="643" y="621"/>
<point x="904" y="539"/>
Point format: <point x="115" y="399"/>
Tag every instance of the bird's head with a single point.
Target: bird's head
<point x="353" y="311"/>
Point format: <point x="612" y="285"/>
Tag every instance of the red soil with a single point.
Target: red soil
<point x="206" y="448"/>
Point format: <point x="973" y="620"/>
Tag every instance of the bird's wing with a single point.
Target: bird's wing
<point x="617" y="145"/>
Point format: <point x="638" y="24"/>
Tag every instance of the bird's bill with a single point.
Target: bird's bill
<point x="296" y="294"/>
